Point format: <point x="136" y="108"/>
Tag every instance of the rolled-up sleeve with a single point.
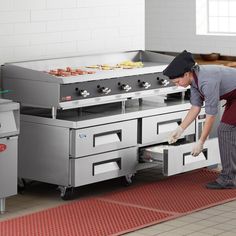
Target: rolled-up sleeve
<point x="195" y="98"/>
<point x="211" y="93"/>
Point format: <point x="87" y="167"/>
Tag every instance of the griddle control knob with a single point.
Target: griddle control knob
<point x="145" y="85"/>
<point x="84" y="93"/>
<point x="105" y="90"/>
<point x="125" y="87"/>
<point x="163" y="82"/>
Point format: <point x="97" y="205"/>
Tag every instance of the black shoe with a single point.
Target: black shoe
<point x="216" y="185"/>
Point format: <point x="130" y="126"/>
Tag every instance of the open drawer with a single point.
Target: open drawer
<point x="176" y="159"/>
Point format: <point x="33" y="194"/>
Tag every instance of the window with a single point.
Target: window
<point x="216" y="17"/>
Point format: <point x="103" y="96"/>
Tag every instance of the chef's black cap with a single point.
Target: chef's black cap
<point x="182" y="63"/>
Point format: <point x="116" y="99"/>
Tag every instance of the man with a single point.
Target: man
<point x="209" y="83"/>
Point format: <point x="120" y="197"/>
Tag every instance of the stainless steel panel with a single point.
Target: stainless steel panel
<point x="8" y="166"/>
<point x="32" y="93"/>
<point x="7" y="123"/>
<point x="113" y="164"/>
<point x="9" y="118"/>
<point x="8" y="105"/>
<point x="103" y="138"/>
<point x="178" y="159"/>
<point x="107" y="113"/>
<point x="44" y="153"/>
<point x="158" y="128"/>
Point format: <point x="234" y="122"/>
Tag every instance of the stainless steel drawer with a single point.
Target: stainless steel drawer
<point x="103" y="138"/>
<point x="158" y="128"/>
<point x="103" y="166"/>
<point x="177" y="159"/>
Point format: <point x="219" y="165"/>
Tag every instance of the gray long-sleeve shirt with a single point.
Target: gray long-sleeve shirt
<point x="213" y="81"/>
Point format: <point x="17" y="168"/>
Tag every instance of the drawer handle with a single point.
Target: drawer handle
<point x="167" y="126"/>
<point x="107" y="137"/>
<point x="3" y="147"/>
<point x="106" y="166"/>
<point x="188" y="158"/>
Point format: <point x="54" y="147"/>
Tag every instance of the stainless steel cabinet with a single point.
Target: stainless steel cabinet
<point x="75" y="157"/>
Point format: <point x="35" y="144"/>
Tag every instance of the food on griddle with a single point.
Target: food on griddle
<point x="102" y="67"/>
<point x="93" y="67"/>
<point x="68" y="71"/>
<point x="107" y="67"/>
<point x="130" y="64"/>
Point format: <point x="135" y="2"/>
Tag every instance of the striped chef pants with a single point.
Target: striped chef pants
<point x="227" y="146"/>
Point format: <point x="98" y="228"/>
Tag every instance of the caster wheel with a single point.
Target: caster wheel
<point x="127" y="180"/>
<point x="66" y="193"/>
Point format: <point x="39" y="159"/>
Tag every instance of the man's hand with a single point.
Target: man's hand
<point x="197" y="148"/>
<point x="175" y="135"/>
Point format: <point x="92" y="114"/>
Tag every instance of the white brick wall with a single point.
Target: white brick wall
<point x="37" y="29"/>
<point x="171" y="26"/>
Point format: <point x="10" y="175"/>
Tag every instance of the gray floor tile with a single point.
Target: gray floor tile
<point x="176" y="223"/>
<point x="224" y="226"/>
<point x="212" y="231"/>
<point x="197" y="234"/>
<point x="160" y="228"/>
<point x="229" y="234"/>
<point x="231" y="221"/>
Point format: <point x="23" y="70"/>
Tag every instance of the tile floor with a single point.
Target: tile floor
<point x="218" y="220"/>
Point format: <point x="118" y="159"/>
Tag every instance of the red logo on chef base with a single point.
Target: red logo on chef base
<point x="67" y="98"/>
<point x="3" y="147"/>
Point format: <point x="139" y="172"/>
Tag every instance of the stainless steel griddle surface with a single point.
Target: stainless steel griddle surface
<point x="36" y="70"/>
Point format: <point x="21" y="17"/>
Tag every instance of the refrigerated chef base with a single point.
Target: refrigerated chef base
<point x="103" y="142"/>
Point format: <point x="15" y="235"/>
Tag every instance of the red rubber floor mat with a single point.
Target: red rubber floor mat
<point x="123" y="211"/>
<point x="90" y="217"/>
<point x="177" y="194"/>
